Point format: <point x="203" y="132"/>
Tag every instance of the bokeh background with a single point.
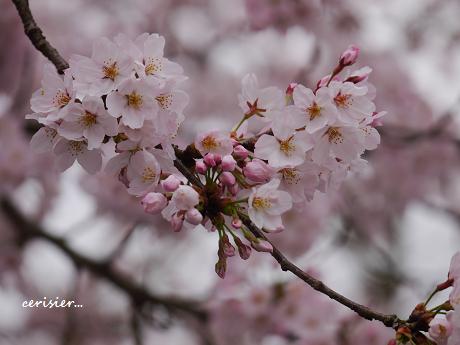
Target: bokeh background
<point x="384" y="238"/>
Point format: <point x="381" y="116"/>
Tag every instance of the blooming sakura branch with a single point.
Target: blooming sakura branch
<point x="124" y="103"/>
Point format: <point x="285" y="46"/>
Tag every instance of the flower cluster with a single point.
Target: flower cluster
<point x="125" y="93"/>
<point x="123" y="102"/>
<point x="439" y="325"/>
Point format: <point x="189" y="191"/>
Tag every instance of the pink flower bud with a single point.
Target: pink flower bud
<point x="349" y="56"/>
<point x="228" y="163"/>
<point x="359" y="75"/>
<point x="258" y="171"/>
<point x="200" y="167"/>
<point x="210" y="160"/>
<point x="323" y="81"/>
<point x="227" y="179"/>
<point x="262" y="246"/>
<point x="243" y="249"/>
<point x="226" y="247"/>
<point x="153" y="203"/>
<point x="234" y="189"/>
<point x="290" y="89"/>
<point x="237" y="223"/>
<point x="177" y="221"/>
<point x="193" y="216"/>
<point x="185" y="197"/>
<point x="171" y="183"/>
<point x="220" y="268"/>
<point x="217" y="159"/>
<point x="240" y="152"/>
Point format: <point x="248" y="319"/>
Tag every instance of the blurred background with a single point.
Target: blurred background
<point x="384" y="238"/>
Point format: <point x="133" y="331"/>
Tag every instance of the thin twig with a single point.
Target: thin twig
<point x="36" y="36"/>
<point x="363" y="311"/>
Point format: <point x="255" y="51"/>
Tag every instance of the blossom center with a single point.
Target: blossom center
<point x="148" y="175"/>
<point x="290" y="175"/>
<point x="153" y="66"/>
<point x="164" y="101"/>
<point x="334" y="135"/>
<point x="209" y="143"/>
<point x="110" y="70"/>
<point x="261" y="203"/>
<point x="88" y="119"/>
<point x="75" y="147"/>
<point x="342" y="100"/>
<point x="287" y="146"/>
<point x="61" y="99"/>
<point x="50" y="133"/>
<point x="314" y="111"/>
<point x="134" y="100"/>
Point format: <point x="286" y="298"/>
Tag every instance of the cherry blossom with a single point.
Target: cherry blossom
<point x="215" y="142"/>
<point x="318" y="107"/>
<point x="260" y="102"/>
<point x="143" y="173"/>
<point x="267" y="204"/>
<point x="286" y="147"/>
<point x="52" y="100"/>
<point x="147" y="52"/>
<point x="134" y="102"/>
<point x="88" y="120"/>
<point x="104" y="71"/>
<point x="352" y="103"/>
<point x="68" y="151"/>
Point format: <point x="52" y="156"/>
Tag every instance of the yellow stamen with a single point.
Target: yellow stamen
<point x="314" y="111"/>
<point x="153" y="66"/>
<point x="61" y="99"/>
<point x="290" y="175"/>
<point x="343" y="101"/>
<point x="88" y="119"/>
<point x="110" y="70"/>
<point x="261" y="203"/>
<point x="165" y="101"/>
<point x="148" y="175"/>
<point x="334" y="135"/>
<point x="134" y="100"/>
<point x="209" y="143"/>
<point x="287" y="146"/>
<point x="76" y="147"/>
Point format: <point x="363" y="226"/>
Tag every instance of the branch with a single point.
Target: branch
<point x="388" y="320"/>
<point x="138" y="294"/>
<point x="36" y="36"/>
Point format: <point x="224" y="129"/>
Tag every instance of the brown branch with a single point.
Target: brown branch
<point x="138" y="294"/>
<point x="36" y="36"/>
<point x="388" y="320"/>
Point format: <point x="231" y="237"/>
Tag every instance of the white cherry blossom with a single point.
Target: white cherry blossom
<point x="143" y="173"/>
<point x="134" y="101"/>
<point x="318" y="108"/>
<point x="104" y="71"/>
<point x="89" y="120"/>
<point x="267" y="204"/>
<point x="67" y="151"/>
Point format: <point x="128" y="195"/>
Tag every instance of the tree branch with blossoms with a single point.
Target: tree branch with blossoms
<point x="124" y="102"/>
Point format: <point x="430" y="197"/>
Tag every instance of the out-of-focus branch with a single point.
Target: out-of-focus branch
<point x="36" y="36"/>
<point x="388" y="320"/>
<point x="138" y="294"/>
